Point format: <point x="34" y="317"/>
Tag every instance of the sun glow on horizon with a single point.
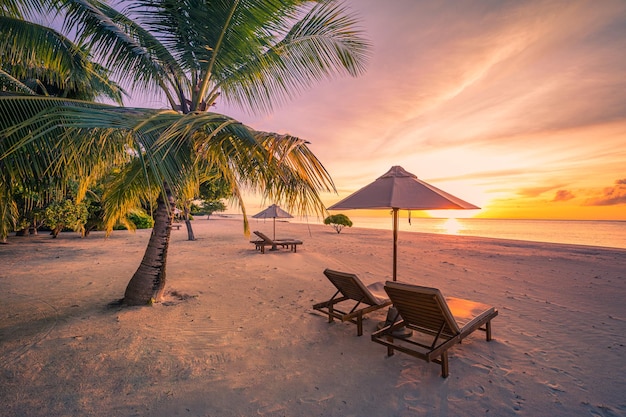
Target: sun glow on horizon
<point x="452" y="226"/>
<point x="452" y="214"/>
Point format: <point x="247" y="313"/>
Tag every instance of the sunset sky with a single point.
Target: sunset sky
<point x="517" y="107"/>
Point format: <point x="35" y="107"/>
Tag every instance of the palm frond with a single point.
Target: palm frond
<point x="323" y="44"/>
<point x="42" y="58"/>
<point x="129" y="190"/>
<point x="27" y="47"/>
<point x="22" y="8"/>
<point x="8" y="211"/>
<point x="10" y="83"/>
<point x="136" y="55"/>
<point x="297" y="177"/>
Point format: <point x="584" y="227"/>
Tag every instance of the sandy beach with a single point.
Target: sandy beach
<point x="237" y="335"/>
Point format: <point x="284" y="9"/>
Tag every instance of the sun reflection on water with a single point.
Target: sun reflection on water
<point x="452" y="226"/>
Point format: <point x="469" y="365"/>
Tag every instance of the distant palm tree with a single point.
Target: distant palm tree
<point x="252" y="53"/>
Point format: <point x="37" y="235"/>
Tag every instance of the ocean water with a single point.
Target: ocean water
<point x="578" y="232"/>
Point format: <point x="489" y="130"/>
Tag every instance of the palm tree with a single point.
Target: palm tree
<point x="38" y="60"/>
<point x="252" y="53"/>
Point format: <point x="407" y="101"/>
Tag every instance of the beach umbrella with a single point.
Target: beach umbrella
<point x="273" y="212"/>
<point x="400" y="190"/>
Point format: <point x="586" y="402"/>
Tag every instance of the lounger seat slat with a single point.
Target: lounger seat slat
<point x="358" y="299"/>
<point x="446" y="321"/>
<point x="264" y="241"/>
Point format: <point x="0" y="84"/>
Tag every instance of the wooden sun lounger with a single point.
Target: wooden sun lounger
<point x="264" y="241"/>
<point x="438" y="323"/>
<point x="350" y="289"/>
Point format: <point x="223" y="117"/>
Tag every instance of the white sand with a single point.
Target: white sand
<point x="247" y="342"/>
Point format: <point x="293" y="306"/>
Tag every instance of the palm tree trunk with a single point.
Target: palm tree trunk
<point x="148" y="283"/>
<point x="190" y="234"/>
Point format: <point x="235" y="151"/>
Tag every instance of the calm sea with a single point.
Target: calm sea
<point x="577" y="232"/>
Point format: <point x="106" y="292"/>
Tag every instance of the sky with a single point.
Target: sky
<point x="518" y="107"/>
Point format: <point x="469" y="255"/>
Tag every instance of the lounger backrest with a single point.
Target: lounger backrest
<point x="263" y="236"/>
<point x="423" y="307"/>
<point x="351" y="286"/>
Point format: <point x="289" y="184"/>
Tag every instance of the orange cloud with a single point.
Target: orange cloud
<point x="611" y="195"/>
<point x="563" y="195"/>
<point x="536" y="191"/>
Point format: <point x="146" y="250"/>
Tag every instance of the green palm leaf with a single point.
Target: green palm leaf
<point x="324" y="43"/>
<point x="40" y="57"/>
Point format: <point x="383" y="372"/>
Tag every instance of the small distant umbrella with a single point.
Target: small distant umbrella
<point x="400" y="190"/>
<point x="273" y="212"/>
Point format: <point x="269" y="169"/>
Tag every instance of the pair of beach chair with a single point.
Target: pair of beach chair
<point x="435" y="323"/>
<point x="264" y="241"/>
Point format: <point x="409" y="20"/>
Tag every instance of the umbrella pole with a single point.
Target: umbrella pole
<point x="395" y="242"/>
<point x="274" y="247"/>
<point x="392" y="313"/>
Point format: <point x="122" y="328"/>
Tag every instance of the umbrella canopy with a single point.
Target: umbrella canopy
<point x="400" y="190"/>
<point x="272" y="212"/>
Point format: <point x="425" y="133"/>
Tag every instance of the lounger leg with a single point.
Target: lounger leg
<point x="488" y="330"/>
<point x="389" y="348"/>
<point x="444" y="364"/>
<point x="330" y="313"/>
<point x="359" y="325"/>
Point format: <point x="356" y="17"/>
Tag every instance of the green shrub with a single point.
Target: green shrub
<point x="338" y="221"/>
<point x="66" y="214"/>
<point x="141" y="220"/>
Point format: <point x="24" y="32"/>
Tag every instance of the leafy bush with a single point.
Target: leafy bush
<point x="141" y="220"/>
<point x="211" y="207"/>
<point x="195" y="209"/>
<point x="338" y="221"/>
<point x="66" y="214"/>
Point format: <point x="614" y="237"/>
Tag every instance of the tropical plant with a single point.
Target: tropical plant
<point x="196" y="183"/>
<point x="59" y="215"/>
<point x="39" y="60"/>
<point x="252" y="53"/>
<point x="338" y="221"/>
<point x="212" y="192"/>
<point x="210" y="207"/>
<point x="141" y="219"/>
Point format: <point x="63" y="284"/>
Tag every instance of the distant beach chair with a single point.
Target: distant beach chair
<point x="350" y="289"/>
<point x="437" y="323"/>
<point x="264" y="241"/>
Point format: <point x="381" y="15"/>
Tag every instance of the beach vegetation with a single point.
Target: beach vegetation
<point x="136" y="219"/>
<point x="204" y="184"/>
<point x="40" y="60"/>
<point x="253" y="54"/>
<point x="210" y="207"/>
<point x="59" y="215"/>
<point x="338" y="222"/>
<point x="212" y="196"/>
<point x="95" y="216"/>
<point x="28" y="211"/>
<point x="141" y="219"/>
